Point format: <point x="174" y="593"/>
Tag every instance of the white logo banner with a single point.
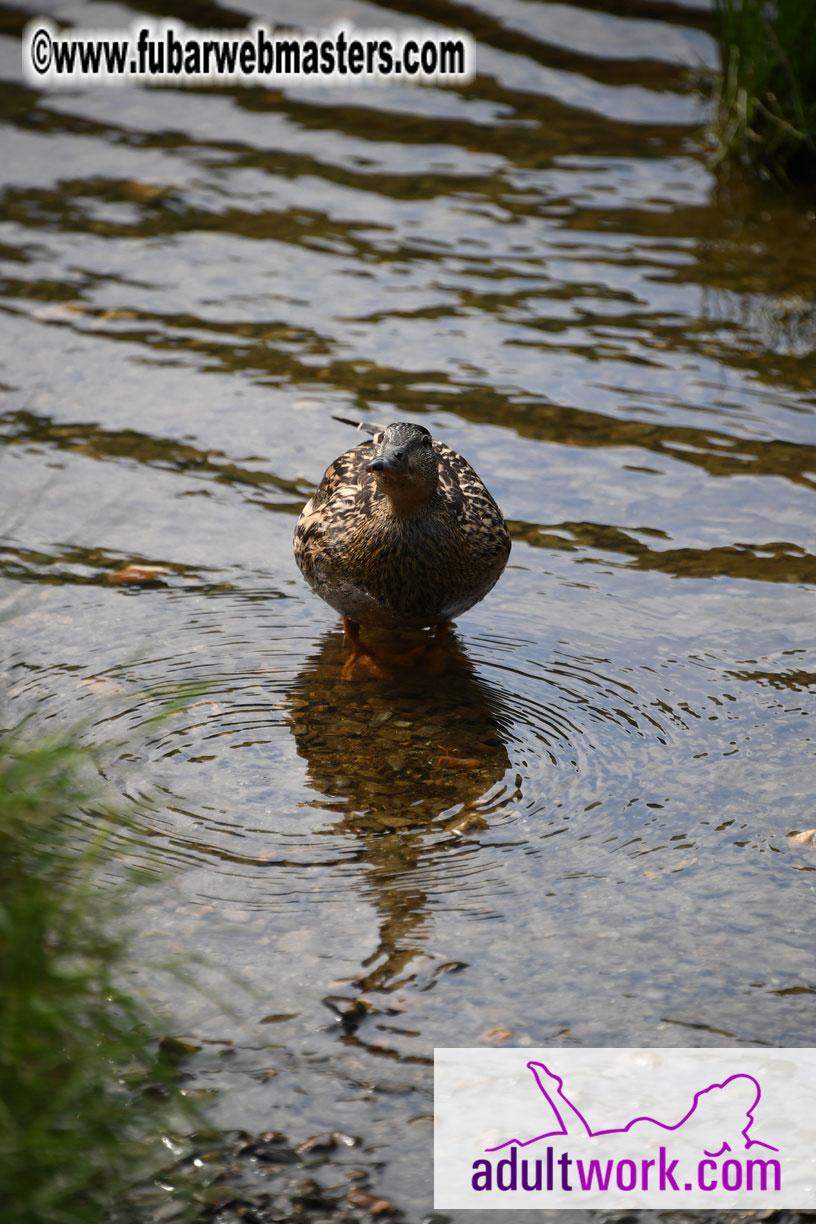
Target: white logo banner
<point x="625" y="1128"/>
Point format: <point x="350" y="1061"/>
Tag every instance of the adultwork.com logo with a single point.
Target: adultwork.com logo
<point x="707" y="1123"/>
<point x="618" y="1128"/>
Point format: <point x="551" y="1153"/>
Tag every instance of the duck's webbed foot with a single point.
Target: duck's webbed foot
<point x="442" y="651"/>
<point x="436" y="655"/>
<point x="362" y="661"/>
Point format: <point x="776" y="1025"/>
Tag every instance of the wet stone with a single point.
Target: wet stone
<point x="326" y="1142"/>
<point x="467" y="825"/>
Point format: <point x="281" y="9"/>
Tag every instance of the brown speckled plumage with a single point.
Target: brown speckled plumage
<point x="415" y="543"/>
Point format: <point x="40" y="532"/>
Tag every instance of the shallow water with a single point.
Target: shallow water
<point x="540" y="268"/>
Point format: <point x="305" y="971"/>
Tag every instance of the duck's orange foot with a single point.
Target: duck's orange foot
<point x="442" y="653"/>
<point x="361" y="663"/>
<point x="434" y="657"/>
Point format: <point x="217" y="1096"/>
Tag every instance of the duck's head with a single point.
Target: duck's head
<point x="405" y="466"/>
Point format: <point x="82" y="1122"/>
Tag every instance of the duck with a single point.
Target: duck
<point x="401" y="533"/>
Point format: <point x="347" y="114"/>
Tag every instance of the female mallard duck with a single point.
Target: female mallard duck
<point x="400" y="533"/>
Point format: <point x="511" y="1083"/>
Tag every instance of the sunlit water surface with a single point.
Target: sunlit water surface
<point x="540" y="268"/>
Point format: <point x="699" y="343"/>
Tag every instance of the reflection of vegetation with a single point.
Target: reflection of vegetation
<point x="24" y="428"/>
<point x="86" y="1094"/>
<point x="774" y="561"/>
<point x="767" y="97"/>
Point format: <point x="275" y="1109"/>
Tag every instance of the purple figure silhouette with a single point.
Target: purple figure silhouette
<point x="710" y="1113"/>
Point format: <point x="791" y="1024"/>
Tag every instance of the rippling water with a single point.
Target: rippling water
<point x="580" y="838"/>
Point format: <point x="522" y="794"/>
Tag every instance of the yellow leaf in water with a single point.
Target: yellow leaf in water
<point x="138" y="573"/>
<point x="806" y="838"/>
<point x="452" y="762"/>
<point x="497" y="1034"/>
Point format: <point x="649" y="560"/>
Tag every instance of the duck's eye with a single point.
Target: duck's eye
<point x="426" y="441"/>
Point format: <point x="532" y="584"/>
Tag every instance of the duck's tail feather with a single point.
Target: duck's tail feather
<point x="366" y="426"/>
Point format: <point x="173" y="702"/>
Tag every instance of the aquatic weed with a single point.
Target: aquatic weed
<point x="766" y="98"/>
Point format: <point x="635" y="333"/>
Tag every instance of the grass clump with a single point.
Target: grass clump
<point x="86" y="1097"/>
<point x="766" y="103"/>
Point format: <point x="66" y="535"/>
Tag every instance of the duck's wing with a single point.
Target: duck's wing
<point x="346" y="479"/>
<point x="465" y="493"/>
<point x="344" y="494"/>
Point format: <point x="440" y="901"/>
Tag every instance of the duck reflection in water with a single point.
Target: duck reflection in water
<point x="406" y="762"/>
